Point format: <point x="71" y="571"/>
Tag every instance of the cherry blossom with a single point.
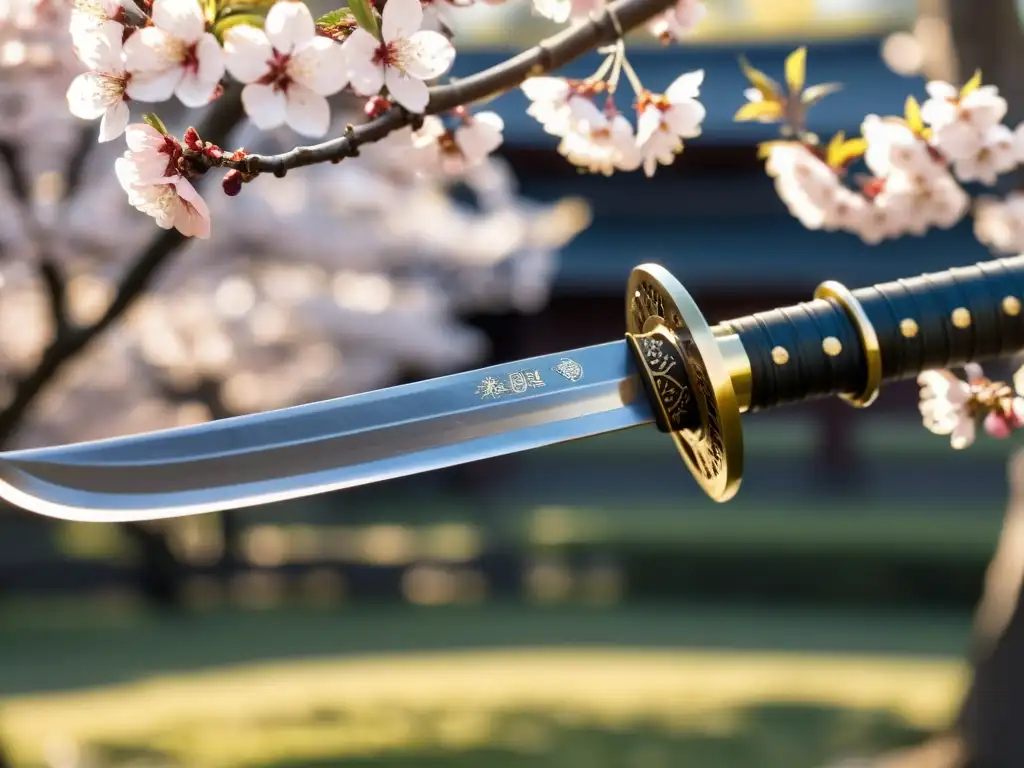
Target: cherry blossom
<point x="664" y="120"/>
<point x="559" y="105"/>
<point x="995" y="155"/>
<point x="561" y="11"/>
<point x="944" y="405"/>
<point x="405" y="57"/>
<point x="677" y="23"/>
<point x="95" y="18"/>
<point x="148" y="173"/>
<point x="290" y="70"/>
<point x="999" y="224"/>
<point x="893" y="146"/>
<point x="960" y="123"/>
<point x="455" y="152"/>
<point x="174" y="56"/>
<point x="603" y="145"/>
<point x="101" y="93"/>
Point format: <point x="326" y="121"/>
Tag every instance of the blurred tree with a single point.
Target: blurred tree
<point x="332" y="281"/>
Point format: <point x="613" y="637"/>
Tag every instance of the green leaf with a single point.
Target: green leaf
<point x="154" y="122"/>
<point x="335" y="17"/>
<point x="248" y="19"/>
<point x="365" y="16"/>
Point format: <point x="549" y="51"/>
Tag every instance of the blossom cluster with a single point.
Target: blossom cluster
<point x="955" y="407"/>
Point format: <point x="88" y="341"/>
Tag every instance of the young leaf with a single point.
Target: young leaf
<point x="222" y="26"/>
<point x="335" y="17"/>
<point x="154" y="122"/>
<point x="365" y="16"/>
<point x="912" y="114"/>
<point x="971" y="85"/>
<point x="816" y="93"/>
<point x="760" y="112"/>
<point x="796" y="70"/>
<point x="842" y="151"/>
<point x="770" y="90"/>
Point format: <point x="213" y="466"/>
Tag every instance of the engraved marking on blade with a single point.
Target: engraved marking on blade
<point x="569" y="369"/>
<point x="516" y="383"/>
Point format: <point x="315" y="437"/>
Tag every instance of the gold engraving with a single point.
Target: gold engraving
<point x="1011" y="306"/>
<point x="908" y="327"/>
<point x="569" y="369"/>
<point x="780" y="356"/>
<point x="961" y="317"/>
<point x="831" y="345"/>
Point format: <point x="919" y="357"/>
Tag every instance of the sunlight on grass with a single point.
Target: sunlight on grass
<point x="269" y="714"/>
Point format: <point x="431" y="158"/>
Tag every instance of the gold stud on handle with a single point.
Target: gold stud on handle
<point x="909" y="328"/>
<point x="961" y="317"/>
<point x="832" y="346"/>
<point x="780" y="356"/>
<point x="1011" y="306"/>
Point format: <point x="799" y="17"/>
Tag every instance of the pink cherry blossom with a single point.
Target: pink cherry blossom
<point x="175" y="56"/>
<point x="678" y="22"/>
<point x="664" y="120"/>
<point x="290" y="70"/>
<point x="402" y="60"/>
<point x="101" y="93"/>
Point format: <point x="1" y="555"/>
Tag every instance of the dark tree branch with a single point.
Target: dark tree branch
<point x="619" y="17"/>
<point x="225" y="115"/>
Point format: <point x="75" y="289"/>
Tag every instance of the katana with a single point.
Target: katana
<point x="673" y="370"/>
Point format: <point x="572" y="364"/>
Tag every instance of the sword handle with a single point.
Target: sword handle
<point x="847" y="343"/>
<point x="852" y="343"/>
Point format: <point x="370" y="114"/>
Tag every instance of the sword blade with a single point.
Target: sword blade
<point x="334" y="444"/>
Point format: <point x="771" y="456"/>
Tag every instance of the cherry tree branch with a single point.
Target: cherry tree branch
<point x="69" y="341"/>
<point x="607" y="26"/>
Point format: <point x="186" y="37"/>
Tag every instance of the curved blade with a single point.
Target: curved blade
<point x="334" y="444"/>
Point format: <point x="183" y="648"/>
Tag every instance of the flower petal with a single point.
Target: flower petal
<point x="321" y="66"/>
<point x="194" y="92"/>
<point x="149" y="50"/>
<point x="192" y="217"/>
<point x="307" y="112"/>
<point x="154" y="86"/>
<point x="141" y="137"/>
<point x="86" y="98"/>
<point x="410" y="92"/>
<point x="114" y="121"/>
<point x="181" y="18"/>
<point x="264" y="105"/>
<point x="939" y="89"/>
<point x="288" y="25"/>
<point x="210" y="57"/>
<point x="401" y="19"/>
<point x="685" y="118"/>
<point x="247" y="53"/>
<point x="366" y="76"/>
<point x="963" y="434"/>
<point x="430" y="54"/>
<point x="647" y="124"/>
<point x="686" y="86"/>
<point x="546" y="89"/>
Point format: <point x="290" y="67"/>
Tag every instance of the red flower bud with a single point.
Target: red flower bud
<point x="192" y="140"/>
<point x="232" y="183"/>
<point x="376" y="106"/>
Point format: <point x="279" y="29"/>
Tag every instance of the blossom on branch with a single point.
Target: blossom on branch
<point x="666" y="119"/>
<point x="954" y="407"/>
<point x="176" y="56"/>
<point x="678" y="22"/>
<point x="994" y="155"/>
<point x="604" y="144"/>
<point x="402" y="60"/>
<point x="95" y="19"/>
<point x="101" y="92"/>
<point x="455" y="152"/>
<point x="960" y="119"/>
<point x="290" y="70"/>
<point x="149" y="172"/>
<point x="561" y="11"/>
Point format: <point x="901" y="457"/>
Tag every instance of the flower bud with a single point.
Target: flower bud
<point x="192" y="141"/>
<point x="232" y="183"/>
<point x="376" y="106"/>
<point x="997" y="425"/>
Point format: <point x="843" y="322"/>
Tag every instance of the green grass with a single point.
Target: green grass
<point x="473" y="687"/>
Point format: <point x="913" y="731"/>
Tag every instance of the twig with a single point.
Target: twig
<point x="225" y="115"/>
<point x="549" y="55"/>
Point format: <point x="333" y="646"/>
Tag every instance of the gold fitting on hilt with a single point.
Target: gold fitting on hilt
<point x="698" y="377"/>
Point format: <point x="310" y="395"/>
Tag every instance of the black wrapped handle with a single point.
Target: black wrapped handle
<point x="850" y="343"/>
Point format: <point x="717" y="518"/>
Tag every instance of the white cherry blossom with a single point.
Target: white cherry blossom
<point x="678" y="22"/>
<point x="664" y="120"/>
<point x="893" y="146"/>
<point x="561" y="11"/>
<point x="95" y="18"/>
<point x="455" y="152"/>
<point x="101" y="92"/>
<point x="999" y="224"/>
<point x="944" y="405"/>
<point x="994" y="156"/>
<point x="405" y="57"/>
<point x="603" y="146"/>
<point x="148" y="174"/>
<point x="959" y="124"/>
<point x="559" y="105"/>
<point x="176" y="56"/>
<point x="290" y="70"/>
